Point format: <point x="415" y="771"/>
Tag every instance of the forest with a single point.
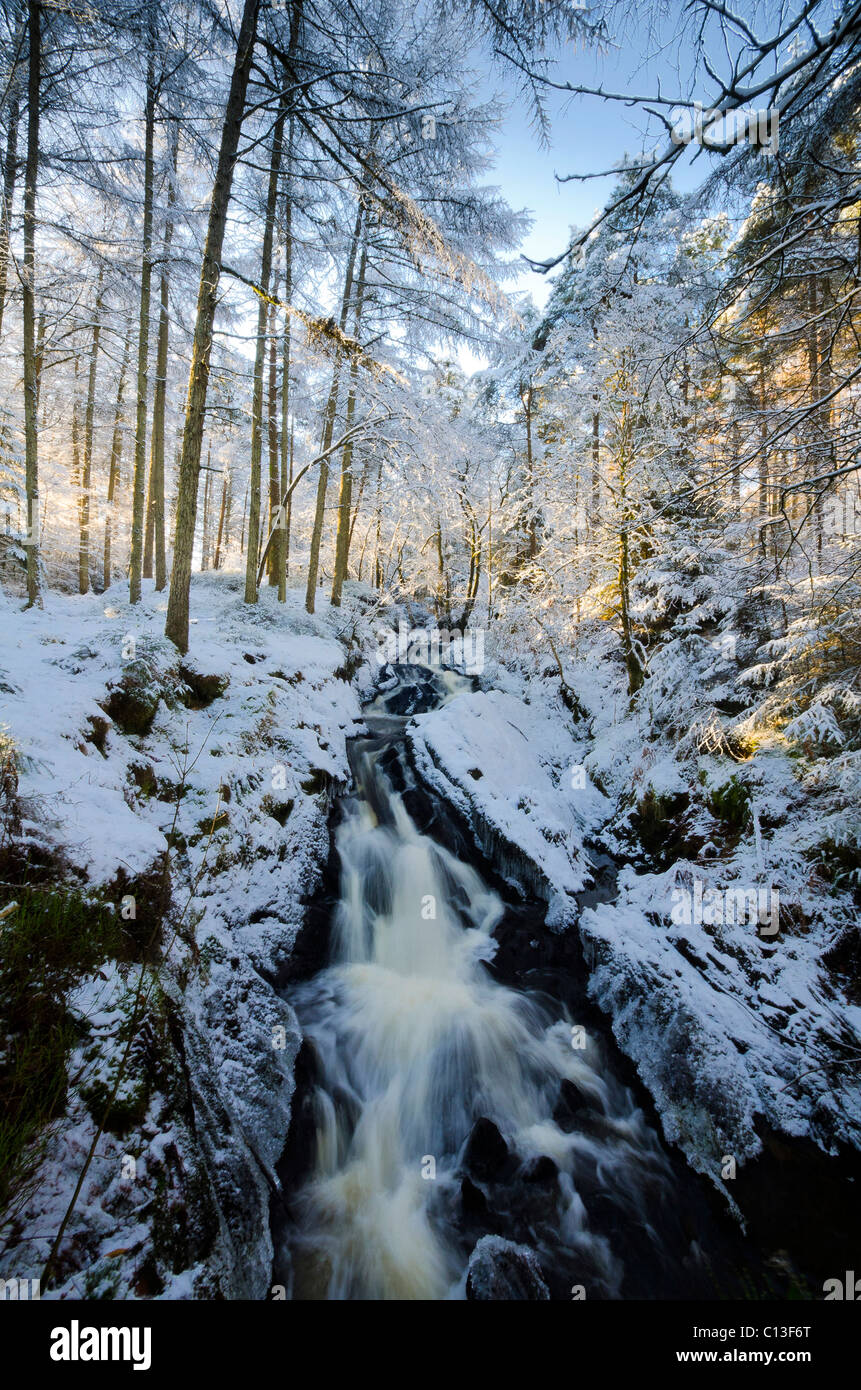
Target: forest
<point x="430" y="674"/>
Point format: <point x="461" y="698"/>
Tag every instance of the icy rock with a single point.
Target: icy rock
<point x="499" y="1269"/>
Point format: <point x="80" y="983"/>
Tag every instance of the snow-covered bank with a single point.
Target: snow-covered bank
<point x="230" y="756"/>
<point x="514" y="772"/>
<point x="735" y="1031"/>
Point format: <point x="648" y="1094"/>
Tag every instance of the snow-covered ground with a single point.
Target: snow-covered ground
<point x="245" y="742"/>
<point x="735" y="1028"/>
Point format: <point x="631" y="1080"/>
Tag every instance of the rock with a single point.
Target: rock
<point x="569" y="1105"/>
<point x="473" y="1202"/>
<point x="499" y="1269"/>
<point x="486" y="1152"/>
<point x="542" y="1171"/>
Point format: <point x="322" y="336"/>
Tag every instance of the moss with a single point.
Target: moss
<point x="149" y="1066"/>
<point x="730" y="804"/>
<point x="127" y="1109"/>
<point x="97" y="733"/>
<point x="278" y="810"/>
<point x="839" y="863"/>
<point x="199" y="690"/>
<point x="50" y="940"/>
<point x="319" y="781"/>
<point x="132" y="704"/>
<point x="141" y="934"/>
<point x="144" y="777"/>
<point x="655" y="821"/>
<point x="349" y="668"/>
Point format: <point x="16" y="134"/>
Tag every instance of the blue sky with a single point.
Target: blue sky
<point x="587" y="135"/>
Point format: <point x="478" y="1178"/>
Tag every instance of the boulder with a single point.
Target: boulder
<point x="499" y="1269"/>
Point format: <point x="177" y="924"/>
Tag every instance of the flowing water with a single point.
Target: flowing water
<point x="414" y="1042"/>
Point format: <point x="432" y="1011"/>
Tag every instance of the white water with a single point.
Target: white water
<point x="415" y="1041"/>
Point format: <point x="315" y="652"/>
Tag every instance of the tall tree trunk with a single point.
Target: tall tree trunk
<point x="216" y="564"/>
<point x="329" y="424"/>
<point x="527" y="397"/>
<point x="139" y="483"/>
<point x="176" y="626"/>
<point x="86" y="471"/>
<point x="207" y="518"/>
<point x="345" y="498"/>
<point x="378" y="509"/>
<point x="40" y="359"/>
<point x="272" y="432"/>
<point x="244" y="515"/>
<point x="31" y="173"/>
<point x="76" y="437"/>
<point x="116" y="455"/>
<point x="489" y="556"/>
<point x="155" y="508"/>
<point x="763" y="453"/>
<point x="283" y="539"/>
<point x="636" y="674"/>
<point x="596" y="472"/>
<point x="10" y="172"/>
<point x="735" y="451"/>
<point x="254" y="530"/>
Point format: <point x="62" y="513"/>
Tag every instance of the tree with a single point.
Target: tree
<point x="31" y="174"/>
<point x="176" y="626"/>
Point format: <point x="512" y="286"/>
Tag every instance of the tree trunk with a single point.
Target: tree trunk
<point x="763" y="454"/>
<point x="345" y="499"/>
<point x="40" y="359"/>
<point x="216" y="564"/>
<point x="76" y="438"/>
<point x="155" y="507"/>
<point x="254" y="532"/>
<point x="286" y="459"/>
<point x="596" y="473"/>
<point x="378" y="568"/>
<point x="532" y="525"/>
<point x="207" y="520"/>
<point x="139" y="483"/>
<point x="329" y="425"/>
<point x="31" y="440"/>
<point x="636" y="674"/>
<point x="176" y="626"/>
<point x="86" y="472"/>
<point x="116" y="455"/>
<point x="272" y="433"/>
<point x="10" y="171"/>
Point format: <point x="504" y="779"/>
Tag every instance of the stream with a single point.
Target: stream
<point x="448" y="1098"/>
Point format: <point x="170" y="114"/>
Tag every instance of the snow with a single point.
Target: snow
<point x="283" y="719"/>
<point x="507" y="767"/>
<point x="729" y="1030"/>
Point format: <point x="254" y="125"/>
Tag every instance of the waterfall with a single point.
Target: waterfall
<point x="414" y="1042"/>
